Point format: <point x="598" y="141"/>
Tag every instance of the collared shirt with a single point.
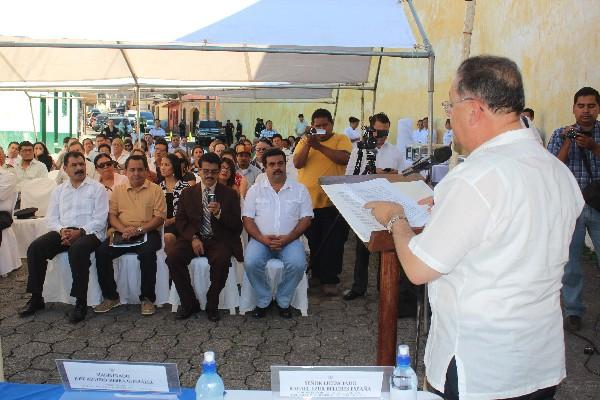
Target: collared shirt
<point x="85" y="206"/>
<point x="250" y="173"/>
<point x="257" y="164"/>
<point x="300" y="128"/>
<point x="388" y="156"/>
<point x="499" y="234"/>
<point x="158" y="132"/>
<point x="122" y="158"/>
<point x="36" y="169"/>
<point x="448" y="136"/>
<point x="180" y="147"/>
<point x="422" y="136"/>
<point x="268" y="133"/>
<point x="575" y="161"/>
<point x="136" y="206"/>
<point x="13" y="161"/>
<point x="8" y="190"/>
<point x="277" y="213"/>
<point x="353" y="134"/>
<point x="90" y="172"/>
<point x="317" y="165"/>
<point x="118" y="179"/>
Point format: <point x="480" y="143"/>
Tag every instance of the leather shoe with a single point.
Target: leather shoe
<point x="572" y="323"/>
<point x="260" y="312"/>
<point x="213" y="315"/>
<point x="285" y="312"/>
<point x="351" y="295"/>
<point x="34" y="304"/>
<point x="78" y="313"/>
<point x="186" y="312"/>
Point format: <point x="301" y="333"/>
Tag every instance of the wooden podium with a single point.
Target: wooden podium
<point x="382" y="241"/>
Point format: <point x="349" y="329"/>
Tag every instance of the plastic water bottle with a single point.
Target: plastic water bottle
<point x="209" y="385"/>
<point x="403" y="382"/>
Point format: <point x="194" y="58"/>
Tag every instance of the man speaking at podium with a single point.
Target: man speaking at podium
<point x="494" y="250"/>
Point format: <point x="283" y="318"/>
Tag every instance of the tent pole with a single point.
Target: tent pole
<point x="376" y="83"/>
<point x="362" y="106"/>
<point x="32" y="117"/>
<point x="337" y="98"/>
<point x="139" y="131"/>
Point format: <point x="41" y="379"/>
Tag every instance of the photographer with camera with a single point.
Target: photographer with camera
<point x="388" y="160"/>
<point x="578" y="147"/>
<point x="321" y="152"/>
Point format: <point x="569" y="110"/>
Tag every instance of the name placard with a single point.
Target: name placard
<point x="330" y="384"/>
<point x="116" y="376"/>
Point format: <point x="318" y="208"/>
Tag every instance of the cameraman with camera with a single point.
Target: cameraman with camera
<point x="388" y="160"/>
<point x="578" y="147"/>
<point x="321" y="152"/>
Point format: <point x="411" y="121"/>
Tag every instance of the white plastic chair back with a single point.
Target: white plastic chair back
<point x="53" y="174"/>
<point x="274" y="274"/>
<point x="9" y="252"/>
<point x="36" y="193"/>
<point x="229" y="298"/>
<point x="129" y="277"/>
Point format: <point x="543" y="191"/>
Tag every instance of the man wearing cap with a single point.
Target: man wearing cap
<point x="77" y="223"/>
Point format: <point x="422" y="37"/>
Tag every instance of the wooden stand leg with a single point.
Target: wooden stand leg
<point x="388" y="308"/>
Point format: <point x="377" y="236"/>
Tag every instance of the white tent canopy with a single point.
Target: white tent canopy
<point x="264" y="41"/>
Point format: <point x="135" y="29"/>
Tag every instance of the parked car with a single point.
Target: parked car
<point x="121" y="123"/>
<point x="209" y="131"/>
<point x="100" y="122"/>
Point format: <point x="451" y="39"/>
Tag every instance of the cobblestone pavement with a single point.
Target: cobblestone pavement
<point x="336" y="332"/>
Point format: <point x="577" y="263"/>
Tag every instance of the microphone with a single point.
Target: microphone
<point x="439" y="156"/>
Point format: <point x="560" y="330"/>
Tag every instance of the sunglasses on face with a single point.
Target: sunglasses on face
<point x="105" y="164"/>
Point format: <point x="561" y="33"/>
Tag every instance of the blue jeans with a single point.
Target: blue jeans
<point x="573" y="276"/>
<point x="294" y="265"/>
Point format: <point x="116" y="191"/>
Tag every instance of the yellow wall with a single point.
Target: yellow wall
<point x="553" y="41"/>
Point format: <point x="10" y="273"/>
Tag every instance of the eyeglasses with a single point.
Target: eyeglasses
<point x="104" y="165"/>
<point x="261" y="149"/>
<point x="448" y="105"/>
<point x="210" y="171"/>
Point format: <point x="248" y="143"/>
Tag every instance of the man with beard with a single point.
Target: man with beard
<point x="77" y="223"/>
<point x="277" y="211"/>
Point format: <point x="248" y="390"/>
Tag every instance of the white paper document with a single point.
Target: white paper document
<point x="330" y="384"/>
<point x="117" y="377"/>
<point x="351" y="198"/>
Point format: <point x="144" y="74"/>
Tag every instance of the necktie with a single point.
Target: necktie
<point x="205" y="229"/>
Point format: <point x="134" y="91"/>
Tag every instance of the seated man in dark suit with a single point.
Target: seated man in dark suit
<point x="209" y="223"/>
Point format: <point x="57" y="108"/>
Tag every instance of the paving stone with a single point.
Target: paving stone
<point x="124" y="349"/>
<point x="31" y="350"/>
<point x="263" y="364"/>
<point x="219" y="346"/>
<point x="259" y="381"/>
<point x="47" y="362"/>
<point x="12" y="365"/>
<point x="69" y="346"/>
<point x="9" y="342"/>
<point x="236" y="369"/>
<point x="51" y="336"/>
<point x="31" y="376"/>
<point x="93" y="353"/>
<point x="248" y="339"/>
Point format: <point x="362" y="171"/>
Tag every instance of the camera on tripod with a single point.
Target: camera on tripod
<point x="368" y="140"/>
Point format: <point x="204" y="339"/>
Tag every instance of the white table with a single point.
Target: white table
<point x="266" y="395"/>
<point x="26" y="231"/>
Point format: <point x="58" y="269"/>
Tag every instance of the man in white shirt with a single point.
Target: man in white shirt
<point x="12" y="154"/>
<point x="448" y="135"/>
<point x="157" y="130"/>
<point x="300" y="125"/>
<point x="244" y="167"/>
<point x="176" y="144"/>
<point x="389" y="161"/>
<point x="77" y="216"/>
<point x="90" y="169"/>
<point x="495" y="247"/>
<point x="276" y="213"/>
<point x="263" y="145"/>
<point x="277" y="140"/>
<point x="150" y="142"/>
<point x="28" y="168"/>
<point x="353" y="131"/>
<point x="268" y="132"/>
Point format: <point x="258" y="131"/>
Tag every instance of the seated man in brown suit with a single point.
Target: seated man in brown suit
<point x="209" y="223"/>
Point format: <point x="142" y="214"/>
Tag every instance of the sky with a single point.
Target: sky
<point x="139" y="21"/>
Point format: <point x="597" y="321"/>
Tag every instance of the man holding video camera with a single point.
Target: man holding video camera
<point x="578" y="147"/>
<point x="321" y="152"/>
<point x="388" y="160"/>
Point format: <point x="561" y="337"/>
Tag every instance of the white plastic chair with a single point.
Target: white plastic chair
<point x="53" y="174"/>
<point x="229" y="298"/>
<point x="36" y="193"/>
<point x="129" y="276"/>
<point x="9" y="252"/>
<point x="57" y="286"/>
<point x="275" y="273"/>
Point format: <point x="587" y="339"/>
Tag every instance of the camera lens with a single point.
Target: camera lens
<point x="313" y="131"/>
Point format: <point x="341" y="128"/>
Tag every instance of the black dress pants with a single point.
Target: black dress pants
<point x="327" y="252"/>
<point x="218" y="253"/>
<point x="47" y="247"/>
<point x="361" y="268"/>
<point x="451" y="388"/>
<point x="146" y="254"/>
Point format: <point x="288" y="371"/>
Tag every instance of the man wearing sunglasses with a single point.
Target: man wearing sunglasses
<point x="389" y="161"/>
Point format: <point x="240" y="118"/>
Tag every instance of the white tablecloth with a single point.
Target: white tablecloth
<point x="266" y="395"/>
<point x="26" y="231"/>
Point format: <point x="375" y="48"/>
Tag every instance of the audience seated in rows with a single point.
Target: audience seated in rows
<point x="172" y="186"/>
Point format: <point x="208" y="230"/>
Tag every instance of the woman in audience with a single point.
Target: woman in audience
<point x="172" y="186"/>
<point x="227" y="174"/>
<point x="127" y="145"/>
<point x="219" y="148"/>
<point x="105" y="149"/>
<point x="188" y="176"/>
<point x="292" y="143"/>
<point x="197" y="152"/>
<point x="212" y="145"/>
<point x="118" y="153"/>
<point x="106" y="173"/>
<point x="40" y="152"/>
<point x="240" y="180"/>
